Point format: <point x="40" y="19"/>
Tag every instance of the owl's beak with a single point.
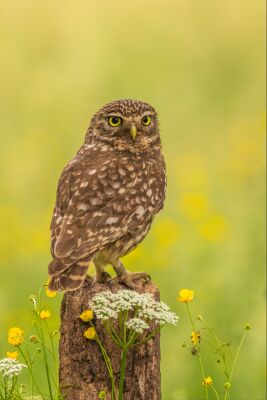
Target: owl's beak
<point x="133" y="131"/>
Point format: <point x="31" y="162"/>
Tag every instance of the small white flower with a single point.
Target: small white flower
<point x="107" y="305"/>
<point x="10" y="367"/>
<point x="137" y="325"/>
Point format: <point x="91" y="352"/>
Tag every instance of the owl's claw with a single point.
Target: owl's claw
<point x="129" y="277"/>
<point x="102" y="277"/>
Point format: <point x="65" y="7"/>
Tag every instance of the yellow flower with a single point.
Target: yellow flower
<point x="15" y="336"/>
<point x="44" y="314"/>
<point x="90" y="333"/>
<point x="195" y="337"/>
<point x="12" y="354"/>
<point x="48" y="292"/>
<point x="185" y="295"/>
<point x="87" y="315"/>
<point x="207" y="381"/>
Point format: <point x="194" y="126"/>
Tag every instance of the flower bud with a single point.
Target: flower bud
<point x="34" y="339"/>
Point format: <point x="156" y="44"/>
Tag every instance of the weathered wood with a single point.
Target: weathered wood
<point x="83" y="373"/>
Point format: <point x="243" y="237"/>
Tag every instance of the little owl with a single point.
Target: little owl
<point x="107" y="195"/>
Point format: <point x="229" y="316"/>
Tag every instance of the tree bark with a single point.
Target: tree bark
<point x="83" y="373"/>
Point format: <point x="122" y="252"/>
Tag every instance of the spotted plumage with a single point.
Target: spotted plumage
<point x="107" y="194"/>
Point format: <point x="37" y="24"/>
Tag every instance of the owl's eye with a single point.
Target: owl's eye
<point x="114" y="121"/>
<point x="146" y="120"/>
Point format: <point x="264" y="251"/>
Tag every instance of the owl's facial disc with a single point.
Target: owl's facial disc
<point x="135" y="132"/>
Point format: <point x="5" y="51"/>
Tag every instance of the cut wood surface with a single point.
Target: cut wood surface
<point x="83" y="373"/>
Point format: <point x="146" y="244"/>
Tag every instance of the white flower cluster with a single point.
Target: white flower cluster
<point x="108" y="305"/>
<point x="158" y="312"/>
<point x="137" y="325"/>
<point x="10" y="367"/>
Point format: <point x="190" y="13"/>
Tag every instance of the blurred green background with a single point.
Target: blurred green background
<point x="201" y="65"/>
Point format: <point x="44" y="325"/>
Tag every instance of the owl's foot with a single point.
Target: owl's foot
<point x="102" y="277"/>
<point x="128" y="278"/>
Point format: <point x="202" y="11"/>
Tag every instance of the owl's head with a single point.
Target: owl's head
<point x="125" y="125"/>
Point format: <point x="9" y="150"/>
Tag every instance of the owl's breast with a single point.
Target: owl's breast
<point x="142" y="188"/>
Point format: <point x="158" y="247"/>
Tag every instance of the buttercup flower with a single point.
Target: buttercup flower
<point x="185" y="295"/>
<point x="90" y="333"/>
<point x="44" y="314"/>
<point x="15" y="336"/>
<point x="195" y="337"/>
<point x="207" y="381"/>
<point x="48" y="292"/>
<point x="12" y="354"/>
<point x="87" y="315"/>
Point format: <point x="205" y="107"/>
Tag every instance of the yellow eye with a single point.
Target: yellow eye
<point x="114" y="121"/>
<point x="146" y="120"/>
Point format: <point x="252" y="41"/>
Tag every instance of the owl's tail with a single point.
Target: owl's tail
<point x="66" y="277"/>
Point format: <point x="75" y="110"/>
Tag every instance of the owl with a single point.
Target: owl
<point x="107" y="195"/>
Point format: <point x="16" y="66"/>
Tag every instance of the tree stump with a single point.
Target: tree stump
<point x="83" y="373"/>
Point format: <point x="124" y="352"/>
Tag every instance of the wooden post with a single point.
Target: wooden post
<point x="83" y="373"/>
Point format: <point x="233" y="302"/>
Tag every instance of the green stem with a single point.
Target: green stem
<point x="113" y="336"/>
<point x="108" y="364"/>
<point x="152" y="334"/>
<point x="28" y="363"/>
<point x="124" y="326"/>
<point x="52" y="343"/>
<point x="199" y="356"/>
<point x="203" y="375"/>
<point x="190" y="316"/>
<point x="220" y="345"/>
<point x="220" y="353"/>
<point x="31" y="362"/>
<point x="215" y="391"/>
<point x="122" y="372"/>
<point x="236" y="356"/>
<point x="5" y="381"/>
<point x="46" y="363"/>
<point x="226" y="395"/>
<point x="14" y="381"/>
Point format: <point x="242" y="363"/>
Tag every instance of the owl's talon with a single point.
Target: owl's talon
<point x="129" y="277"/>
<point x="102" y="277"/>
<point x="138" y="275"/>
<point x="125" y="279"/>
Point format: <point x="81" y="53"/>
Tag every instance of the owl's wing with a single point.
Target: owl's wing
<point x="97" y="203"/>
